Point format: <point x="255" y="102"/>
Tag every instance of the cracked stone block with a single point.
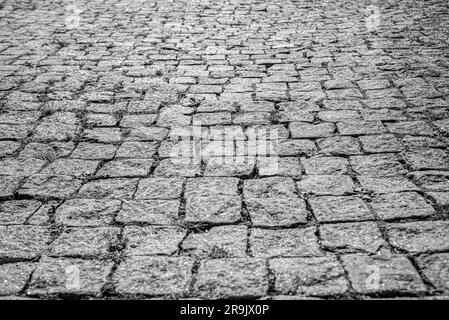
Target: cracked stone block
<point x="358" y="128"/>
<point x="94" y="151"/>
<point x="352" y="237"/>
<point x="218" y="242"/>
<point x="154" y="276"/>
<point x="230" y="166"/>
<point x="125" y="168"/>
<point x="214" y="209"/>
<point x="401" y="205"/>
<point x="231" y="278"/>
<point x="388" y="102"/>
<point x="211" y="186"/>
<point x="276" y="212"/>
<point x="174" y="116"/>
<point x="431" y="180"/>
<point x="279" y="187"/>
<point x="380" y="143"/>
<point x="17" y="211"/>
<point x="373" y="84"/>
<point x="14" y="277"/>
<point x="382" y="165"/>
<point x="159" y="188"/>
<point x="87" y="212"/>
<point x="158" y="212"/>
<point x="339" y="146"/>
<point x="22" y="242"/>
<point x="147" y="134"/>
<point x="318" y="165"/>
<point x="277" y="166"/>
<point x="382" y="274"/>
<point x="143" y="106"/>
<point x="142" y="241"/>
<point x="386" y="184"/>
<point x="266" y="243"/>
<point x="309" y="276"/>
<point x="69" y="276"/>
<point x="178" y="168"/>
<point x="290" y="147"/>
<point x="47" y="186"/>
<point x="425" y="159"/>
<point x="435" y="268"/>
<point x="286" y="115"/>
<point x="136" y="149"/>
<point x="339" y="209"/>
<point x="306" y="130"/>
<point x="117" y="188"/>
<point x="326" y="185"/>
<point x="96" y="242"/>
<point x="20" y="166"/>
<point x="420" y="236"/>
<point x="71" y="167"/>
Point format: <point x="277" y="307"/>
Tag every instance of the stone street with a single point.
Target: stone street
<point x="212" y="149"/>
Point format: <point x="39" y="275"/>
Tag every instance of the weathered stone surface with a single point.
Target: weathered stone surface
<point x="435" y="267"/>
<point x="216" y="243"/>
<point x="87" y="212"/>
<point x="326" y="184"/>
<point x="232" y="278"/>
<point x="164" y="212"/>
<point x="217" y="209"/>
<point x="352" y="237"/>
<point x="314" y="276"/>
<point x="284" y="243"/>
<point x="273" y="212"/>
<point x="401" y="205"/>
<point x="22" y="242"/>
<point x="152" y="240"/>
<point x="216" y="130"/>
<point x="69" y="276"/>
<point x="154" y="276"/>
<point x="14" y="277"/>
<point x="338" y="208"/>
<point x="382" y="274"/>
<point x="85" y="242"/>
<point x="416" y="237"/>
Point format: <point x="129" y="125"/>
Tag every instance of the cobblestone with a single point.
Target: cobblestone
<point x="129" y="166"/>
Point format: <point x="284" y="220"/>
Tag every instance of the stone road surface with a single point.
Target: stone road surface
<point x="99" y="198"/>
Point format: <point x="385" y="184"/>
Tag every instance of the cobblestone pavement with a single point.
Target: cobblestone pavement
<point x="99" y="195"/>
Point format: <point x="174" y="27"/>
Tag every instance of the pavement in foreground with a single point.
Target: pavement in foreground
<point x="127" y="162"/>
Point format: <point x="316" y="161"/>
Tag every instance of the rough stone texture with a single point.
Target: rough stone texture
<point x="232" y="278"/>
<point x="167" y="137"/>
<point x="284" y="243"/>
<point x="416" y="237"/>
<point x="69" y="276"/>
<point x="152" y="240"/>
<point x="382" y="274"/>
<point x="337" y="208"/>
<point x="218" y="242"/>
<point x="351" y="237"/>
<point x="320" y="276"/>
<point x="153" y="276"/>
